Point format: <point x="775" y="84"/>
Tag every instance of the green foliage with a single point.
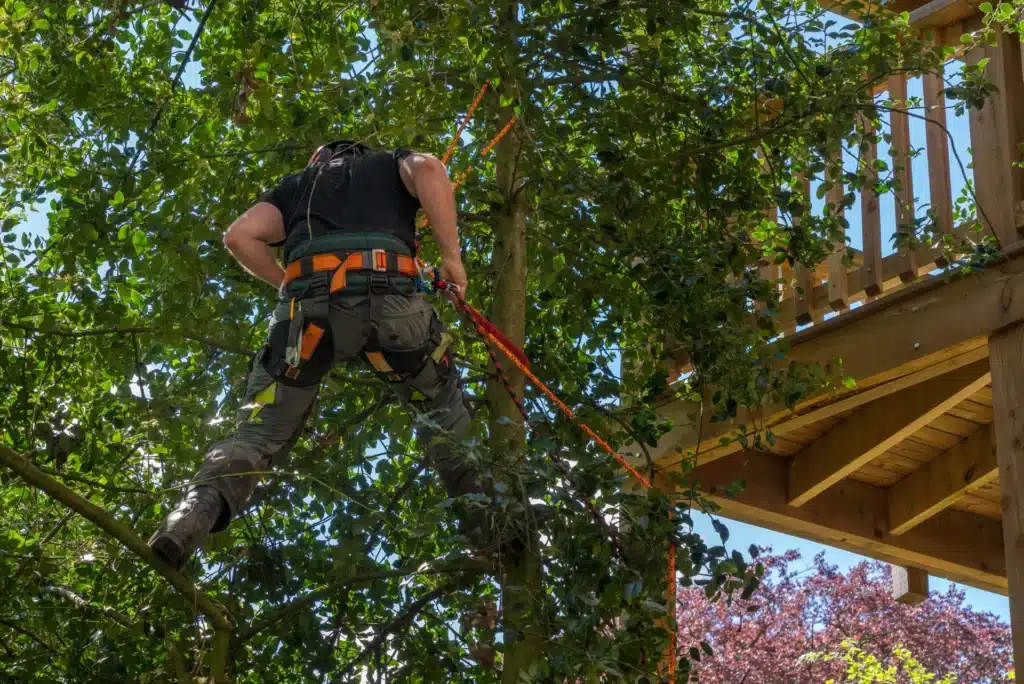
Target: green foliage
<point x="647" y="158"/>
<point x="864" y="668"/>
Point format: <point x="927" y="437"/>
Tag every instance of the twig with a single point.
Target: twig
<point x="99" y="332"/>
<point x="318" y="594"/>
<point x="404" y="618"/>
<point x="46" y="540"/>
<point x="33" y="476"/>
<point x="174" y="86"/>
<point x="27" y="632"/>
<point x="89" y="606"/>
<point x="93" y="483"/>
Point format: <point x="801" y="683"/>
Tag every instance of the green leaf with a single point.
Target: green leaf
<point x="20" y="11"/>
<point x="118" y="198"/>
<point x="653" y="607"/>
<point x="13" y="125"/>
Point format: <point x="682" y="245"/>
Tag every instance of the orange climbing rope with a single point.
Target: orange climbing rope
<point x="493" y="335"/>
<point x="469" y="115"/>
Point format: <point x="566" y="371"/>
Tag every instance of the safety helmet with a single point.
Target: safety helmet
<point x="338" y="148"/>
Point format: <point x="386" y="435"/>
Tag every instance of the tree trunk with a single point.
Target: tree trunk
<point x="521" y="579"/>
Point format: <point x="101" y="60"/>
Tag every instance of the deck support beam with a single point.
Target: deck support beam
<point x="878" y="427"/>
<point x="1007" y="358"/>
<point x="939" y="483"/>
<point x="960" y="546"/>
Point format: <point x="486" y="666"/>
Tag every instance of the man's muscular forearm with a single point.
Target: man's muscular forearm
<point x="258" y="259"/>
<point x="248" y="239"/>
<point x="427" y="179"/>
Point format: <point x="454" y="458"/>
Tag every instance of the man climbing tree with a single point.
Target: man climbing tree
<point x="350" y="290"/>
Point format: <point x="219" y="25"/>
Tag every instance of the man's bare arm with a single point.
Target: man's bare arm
<point x="249" y="238"/>
<point x="427" y="179"/>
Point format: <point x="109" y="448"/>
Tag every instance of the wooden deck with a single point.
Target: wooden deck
<point x="922" y="464"/>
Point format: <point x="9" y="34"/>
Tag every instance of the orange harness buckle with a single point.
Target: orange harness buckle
<point x="380" y="260"/>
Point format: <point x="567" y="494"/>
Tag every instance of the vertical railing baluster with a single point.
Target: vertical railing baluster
<point x="902" y="172"/>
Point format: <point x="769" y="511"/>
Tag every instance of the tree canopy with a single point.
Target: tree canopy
<point x="803" y="608"/>
<point x="627" y="204"/>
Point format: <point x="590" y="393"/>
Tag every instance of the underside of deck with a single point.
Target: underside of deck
<point x="903" y="468"/>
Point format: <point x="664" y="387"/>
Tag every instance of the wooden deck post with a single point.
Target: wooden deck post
<point x="909" y="585"/>
<point x="1006" y="356"/>
<point x="997" y="130"/>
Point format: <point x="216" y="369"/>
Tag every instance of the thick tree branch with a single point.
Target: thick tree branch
<point x="214" y="612"/>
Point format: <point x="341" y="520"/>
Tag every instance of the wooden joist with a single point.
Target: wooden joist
<point x="959" y="546"/>
<point x="878" y="427"/>
<point x="939" y="483"/>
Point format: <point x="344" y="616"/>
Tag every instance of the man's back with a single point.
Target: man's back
<point x="352" y="193"/>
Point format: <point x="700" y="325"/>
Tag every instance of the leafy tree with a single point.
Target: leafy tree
<point x="800" y="610"/>
<point x="863" y="668"/>
<point x="627" y="202"/>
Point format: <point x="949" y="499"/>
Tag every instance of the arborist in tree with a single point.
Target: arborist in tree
<point x="350" y="290"/>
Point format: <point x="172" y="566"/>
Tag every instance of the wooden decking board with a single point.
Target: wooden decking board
<point x="973" y="411"/>
<point x="955" y="425"/>
<point x="989" y="492"/>
<point x="972" y="503"/>
<point x="984" y="397"/>
<point x="913" y="448"/>
<point x="786" y="447"/>
<point x="936" y="438"/>
<point x="897" y="462"/>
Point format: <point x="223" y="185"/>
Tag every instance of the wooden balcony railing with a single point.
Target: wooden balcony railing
<point x="853" y="275"/>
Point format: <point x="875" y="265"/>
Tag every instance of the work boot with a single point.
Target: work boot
<point x="187" y="525"/>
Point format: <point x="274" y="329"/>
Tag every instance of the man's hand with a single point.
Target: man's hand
<point x="452" y="271"/>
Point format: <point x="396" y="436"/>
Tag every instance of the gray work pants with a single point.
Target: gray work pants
<point x="273" y="414"/>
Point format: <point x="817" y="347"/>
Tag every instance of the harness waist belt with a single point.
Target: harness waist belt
<point x="376" y="260"/>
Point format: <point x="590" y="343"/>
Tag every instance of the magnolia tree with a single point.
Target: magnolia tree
<point x="816" y="609"/>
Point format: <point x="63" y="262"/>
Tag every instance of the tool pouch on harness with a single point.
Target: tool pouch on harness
<point x="299" y="352"/>
<point x="415" y="366"/>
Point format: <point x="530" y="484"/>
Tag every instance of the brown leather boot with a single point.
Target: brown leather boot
<point x="187" y="525"/>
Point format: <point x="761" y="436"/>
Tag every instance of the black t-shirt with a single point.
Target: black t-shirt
<point x="361" y="193"/>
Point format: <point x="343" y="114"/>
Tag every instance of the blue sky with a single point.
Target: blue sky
<point x="743" y="535"/>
